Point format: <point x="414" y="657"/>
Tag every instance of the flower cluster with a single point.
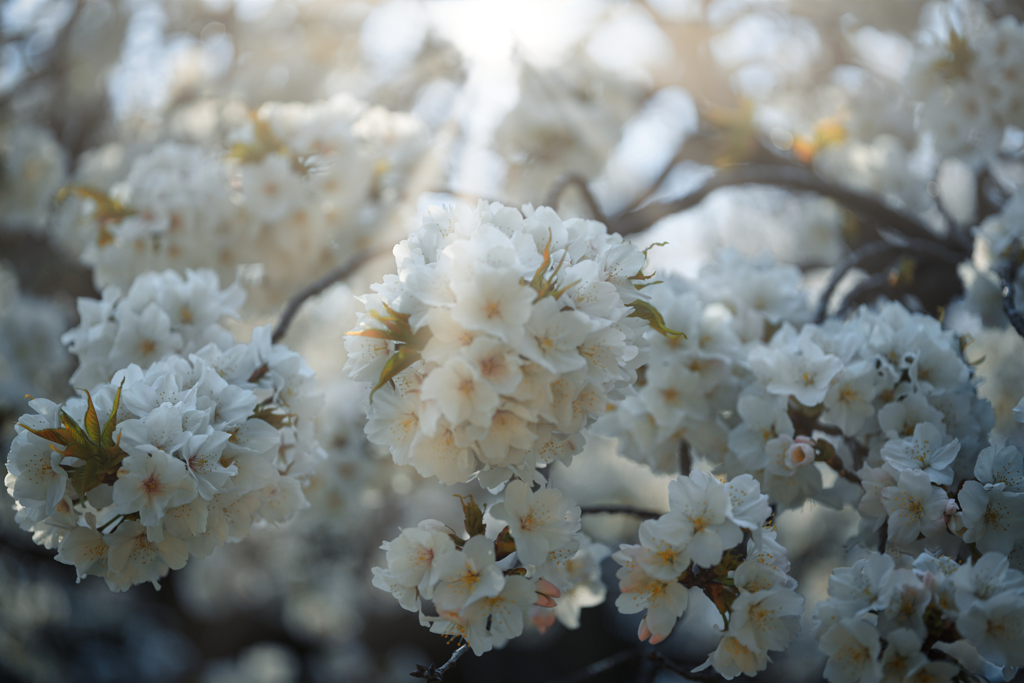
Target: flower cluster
<point x="711" y="542"/>
<point x="888" y="387"/>
<point x="691" y="380"/>
<point x="502" y="336"/>
<point x="929" y="619"/>
<point x="526" y="554"/>
<point x="162" y="313"/>
<point x="972" y="86"/>
<point x="302" y="187"/>
<point x="158" y="463"/>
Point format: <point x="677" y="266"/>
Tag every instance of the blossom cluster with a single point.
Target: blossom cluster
<point x="502" y="335"/>
<point x="971" y="85"/>
<point x="923" y="619"/>
<point x="303" y="186"/>
<point x="524" y="560"/>
<point x="712" y="542"/>
<point x="168" y="460"/>
<point x="161" y="313"/>
<point x="692" y="380"/>
<point x="886" y="386"/>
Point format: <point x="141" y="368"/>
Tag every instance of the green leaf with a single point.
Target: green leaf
<point x="402" y="359"/>
<point x="73" y="433"/>
<point x="647" y="311"/>
<point x="474" y="516"/>
<point x="92" y="420"/>
<point x="107" y="436"/>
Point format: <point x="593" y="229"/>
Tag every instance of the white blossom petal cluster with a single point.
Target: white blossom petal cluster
<point x="692" y="380"/>
<point x="154" y="465"/>
<point x="525" y="561"/>
<point x="303" y="186"/>
<point x="971" y="86"/>
<point x="502" y="335"/>
<point x="894" y="386"/>
<point x="881" y="613"/>
<point x="161" y="313"/>
<point x="696" y="545"/>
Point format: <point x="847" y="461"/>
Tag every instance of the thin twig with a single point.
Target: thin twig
<point x="619" y="509"/>
<point x="878" y="248"/>
<point x="579" y="181"/>
<point x="599" y="666"/>
<point x="789" y="177"/>
<point x="1006" y="275"/>
<point x="436" y="674"/>
<point x="653" y="187"/>
<point x="664" y="663"/>
<point x="339" y="273"/>
<point x="852" y="260"/>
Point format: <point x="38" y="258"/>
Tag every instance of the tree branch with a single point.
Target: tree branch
<point x="436" y="674"/>
<point x="874" y="212"/>
<point x="619" y="509"/>
<point x="579" y="181"/>
<point x="877" y="249"/>
<point x="336" y="275"/>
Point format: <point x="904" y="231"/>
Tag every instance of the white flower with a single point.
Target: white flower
<point x="853" y="648"/>
<point x="992" y="516"/>
<point x="700" y="508"/>
<point x="553" y="336"/>
<point x="914" y="507"/>
<point x="414" y="558"/>
<point x="996" y="627"/>
<point x="663" y="553"/>
<point x="468" y="576"/>
<point x="407" y="596"/>
<point x="84" y="548"/>
<point x="493" y="302"/>
<point x="455" y="391"/>
<point x="1001" y="466"/>
<point x="804" y="372"/>
<point x="925" y="451"/>
<point x="149" y="484"/>
<point x="766" y="620"/>
<point x="39" y="478"/>
<point x="902" y="655"/>
<point x="848" y="403"/>
<point x="503" y="615"/>
<point x="732" y="658"/>
<point x="664" y="601"/>
<point x="539" y="521"/>
<point x="133" y="558"/>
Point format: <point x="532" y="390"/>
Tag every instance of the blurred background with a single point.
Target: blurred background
<point x="443" y="101"/>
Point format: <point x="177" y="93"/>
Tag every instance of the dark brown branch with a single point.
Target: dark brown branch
<point x="436" y="674"/>
<point x="881" y="249"/>
<point x="1007" y="275"/>
<point x="579" y="181"/>
<point x="875" y="213"/>
<point x="336" y="275"/>
<point x="852" y="260"/>
<point x="619" y="509"/>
